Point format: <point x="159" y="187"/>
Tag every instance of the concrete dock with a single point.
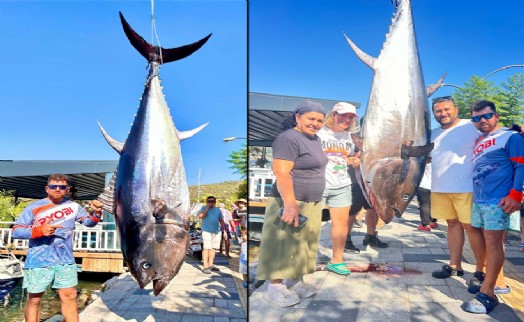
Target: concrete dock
<point x="405" y="291"/>
<point x="191" y="296"/>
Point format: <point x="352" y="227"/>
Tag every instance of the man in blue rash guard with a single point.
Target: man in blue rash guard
<point x="49" y="225"/>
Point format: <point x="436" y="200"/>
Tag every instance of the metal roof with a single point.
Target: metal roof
<point x="267" y="111"/>
<point x="27" y="179"/>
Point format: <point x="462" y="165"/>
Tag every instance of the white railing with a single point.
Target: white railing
<point x="93" y="239"/>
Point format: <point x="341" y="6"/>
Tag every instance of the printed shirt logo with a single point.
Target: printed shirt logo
<point x="57" y="214"/>
<point x="484" y="145"/>
<point x="337" y="154"/>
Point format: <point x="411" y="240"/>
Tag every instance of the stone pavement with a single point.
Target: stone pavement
<point x="191" y="296"/>
<point x="406" y="291"/>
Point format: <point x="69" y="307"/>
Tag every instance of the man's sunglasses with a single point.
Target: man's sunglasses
<point x="486" y="116"/>
<point x="59" y="186"/>
<point x="211" y="201"/>
<point x="443" y="99"/>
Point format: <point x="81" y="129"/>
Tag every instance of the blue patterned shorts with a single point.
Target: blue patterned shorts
<point x="489" y="217"/>
<point x="36" y="280"/>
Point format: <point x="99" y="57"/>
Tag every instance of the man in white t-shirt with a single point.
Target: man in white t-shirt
<point x="452" y="184"/>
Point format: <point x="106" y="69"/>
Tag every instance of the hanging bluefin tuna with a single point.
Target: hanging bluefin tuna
<point x="396" y="126"/>
<point x="148" y="193"/>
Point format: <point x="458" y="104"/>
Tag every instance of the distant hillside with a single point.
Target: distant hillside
<point x="225" y="192"/>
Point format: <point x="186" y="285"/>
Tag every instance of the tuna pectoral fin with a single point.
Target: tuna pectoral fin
<point x="118" y="146"/>
<point x="187" y="134"/>
<point x="411" y="151"/>
<point x="365" y="58"/>
<point x="151" y="53"/>
<point x="161" y="211"/>
<point x="433" y="87"/>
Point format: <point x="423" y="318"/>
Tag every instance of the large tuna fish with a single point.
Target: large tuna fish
<point x="149" y="194"/>
<point x="396" y="126"/>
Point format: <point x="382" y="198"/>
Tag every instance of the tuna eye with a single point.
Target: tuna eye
<point x="146" y="265"/>
<point x="405" y="197"/>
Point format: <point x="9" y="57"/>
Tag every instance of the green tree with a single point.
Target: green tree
<point x="238" y="159"/>
<point x="10" y="208"/>
<point x="242" y="190"/>
<point x="512" y="95"/>
<point x="508" y="97"/>
<point x="473" y="90"/>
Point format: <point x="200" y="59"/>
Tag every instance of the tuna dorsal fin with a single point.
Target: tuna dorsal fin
<point x="358" y="140"/>
<point x="409" y="151"/>
<point x="187" y="134"/>
<point x="365" y="58"/>
<point x="118" y="146"/>
<point x="152" y="53"/>
<point x="433" y="87"/>
<point x="107" y="198"/>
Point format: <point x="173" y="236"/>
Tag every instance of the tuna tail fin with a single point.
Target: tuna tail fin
<point x="433" y="87"/>
<point x="365" y="58"/>
<point x="187" y="134"/>
<point x="158" y="54"/>
<point x="117" y="146"/>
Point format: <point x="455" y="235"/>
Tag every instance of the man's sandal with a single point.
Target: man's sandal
<point x="339" y="268"/>
<point x="482" y="304"/>
<point x="447" y="271"/>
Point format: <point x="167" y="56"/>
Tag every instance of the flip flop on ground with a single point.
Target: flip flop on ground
<point x="338" y="268"/>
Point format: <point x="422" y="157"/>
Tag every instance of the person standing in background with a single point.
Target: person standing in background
<point x="424" y="201"/>
<point x="212" y="222"/>
<point x="225" y="241"/>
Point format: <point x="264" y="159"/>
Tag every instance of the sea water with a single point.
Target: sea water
<point x="14" y="311"/>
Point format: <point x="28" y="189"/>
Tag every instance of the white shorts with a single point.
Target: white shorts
<point x="242" y="268"/>
<point x="211" y="240"/>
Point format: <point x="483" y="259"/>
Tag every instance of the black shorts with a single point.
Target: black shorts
<point x="358" y="201"/>
<point x="522" y="210"/>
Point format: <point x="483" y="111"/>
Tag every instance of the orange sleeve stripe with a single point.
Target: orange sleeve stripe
<point x="37" y="232"/>
<point x="518" y="160"/>
<point x="515" y="195"/>
<point x="20" y="226"/>
<point x="37" y="210"/>
<point x="95" y="218"/>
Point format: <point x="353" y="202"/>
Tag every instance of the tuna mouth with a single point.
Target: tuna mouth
<point x="158" y="285"/>
<point x="397" y="212"/>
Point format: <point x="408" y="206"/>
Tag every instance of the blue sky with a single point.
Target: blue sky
<point x="67" y="64"/>
<point x="297" y="48"/>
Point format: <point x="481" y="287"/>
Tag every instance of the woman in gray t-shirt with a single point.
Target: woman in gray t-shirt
<point x="288" y="251"/>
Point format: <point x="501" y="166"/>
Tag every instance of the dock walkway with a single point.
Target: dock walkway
<point x="406" y="292"/>
<point x="191" y="296"/>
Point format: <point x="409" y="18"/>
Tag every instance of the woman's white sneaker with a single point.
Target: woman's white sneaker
<point x="278" y="294"/>
<point x="304" y="290"/>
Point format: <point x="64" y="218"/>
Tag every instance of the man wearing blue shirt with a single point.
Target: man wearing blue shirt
<point x="49" y="225"/>
<point x="212" y="220"/>
<point x="498" y="177"/>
